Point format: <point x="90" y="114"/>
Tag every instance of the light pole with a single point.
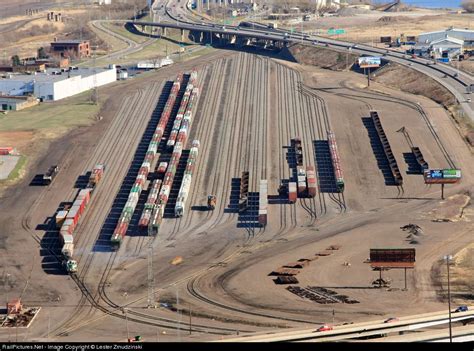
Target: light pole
<point x="449" y="258"/>
<point x="124" y="310"/>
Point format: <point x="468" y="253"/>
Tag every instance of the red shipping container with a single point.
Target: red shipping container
<point x="86" y="194"/>
<point x="122" y="229"/>
<point x="6" y="150"/>
<point x="74" y="214"/>
<point x="81" y="204"/>
<point x="292" y="192"/>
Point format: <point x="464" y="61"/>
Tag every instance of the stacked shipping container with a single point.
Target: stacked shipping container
<point x="69" y="219"/>
<point x="150" y="204"/>
<point x="311" y="179"/>
<point x="129" y="209"/>
<point x="181" y="112"/>
<point x="177" y="140"/>
<point x="292" y="192"/>
<point x="301" y="174"/>
<point x="336" y="163"/>
<point x="186" y="184"/>
<point x="175" y="156"/>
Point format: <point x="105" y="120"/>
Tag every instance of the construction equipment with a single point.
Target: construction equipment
<point x="211" y="202"/>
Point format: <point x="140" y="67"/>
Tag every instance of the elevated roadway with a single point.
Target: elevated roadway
<point x="362" y="330"/>
<point x="177" y="15"/>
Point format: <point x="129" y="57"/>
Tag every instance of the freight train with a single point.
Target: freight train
<point x="127" y="212"/>
<point x="150" y="205"/>
<point x="186" y="184"/>
<point x="336" y="163"/>
<point x="153" y="212"/>
<point x="68" y="219"/>
<point x="263" y="203"/>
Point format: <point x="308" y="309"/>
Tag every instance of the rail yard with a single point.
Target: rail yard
<point x="240" y="165"/>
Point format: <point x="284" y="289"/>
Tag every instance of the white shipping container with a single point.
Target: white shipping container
<point x="61" y="215"/>
<point x="68" y="250"/>
<point x="141" y="176"/>
<point x="67" y="238"/>
<point x="146" y="164"/>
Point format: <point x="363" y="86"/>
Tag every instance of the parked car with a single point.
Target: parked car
<point x="324" y="327"/>
<point x="462" y="308"/>
<point x="391" y="320"/>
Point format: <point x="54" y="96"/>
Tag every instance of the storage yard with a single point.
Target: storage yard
<point x="329" y="177"/>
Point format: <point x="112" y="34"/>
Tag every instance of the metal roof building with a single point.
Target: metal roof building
<point x="56" y="84"/>
<point x="466" y="35"/>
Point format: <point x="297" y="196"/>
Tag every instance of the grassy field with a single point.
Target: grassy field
<point x="56" y="117"/>
<point x="121" y="30"/>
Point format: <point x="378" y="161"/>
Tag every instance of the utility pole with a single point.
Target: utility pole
<point x="126" y="322"/>
<point x="151" y="275"/>
<point x="190" y="322"/>
<point x="449" y="258"/>
<point x="95" y="92"/>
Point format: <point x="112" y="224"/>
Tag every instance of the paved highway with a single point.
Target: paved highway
<point x="358" y="330"/>
<point x="177" y="15"/>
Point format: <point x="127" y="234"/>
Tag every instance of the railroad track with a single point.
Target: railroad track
<point x="318" y="133"/>
<point x="105" y="152"/>
<point x="101" y="296"/>
<point x="414" y="106"/>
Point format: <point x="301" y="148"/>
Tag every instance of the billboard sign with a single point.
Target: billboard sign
<point x="336" y="31"/>
<point x="369" y="61"/>
<point x="436" y="174"/>
<point x="392" y="258"/>
<point x="452" y="173"/>
<point x="392" y="255"/>
<point x="442" y="176"/>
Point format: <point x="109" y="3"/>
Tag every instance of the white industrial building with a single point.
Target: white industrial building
<point x="447" y="43"/>
<point x="466" y="35"/>
<point x="56" y="84"/>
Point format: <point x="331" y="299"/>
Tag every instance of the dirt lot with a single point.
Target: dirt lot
<point x="408" y="80"/>
<point x="249" y="108"/>
<point x="368" y="28"/>
<point x="323" y="58"/>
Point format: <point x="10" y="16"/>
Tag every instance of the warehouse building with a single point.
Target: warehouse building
<point x="16" y="103"/>
<point x="56" y="84"/>
<point x="465" y="35"/>
<point x="446" y="43"/>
